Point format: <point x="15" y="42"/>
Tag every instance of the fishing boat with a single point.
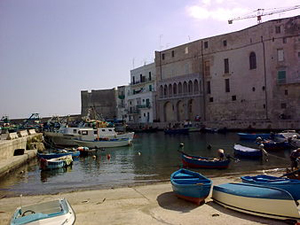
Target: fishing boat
<point x="56" y="163"/>
<point x="257" y="200"/>
<point x="57" y="211"/>
<point x="203" y="162"/>
<point x="191" y="186"/>
<point x="253" y="136"/>
<point x="290" y="185"/>
<point x="246" y="152"/>
<point x="58" y="154"/>
<point x="271" y="145"/>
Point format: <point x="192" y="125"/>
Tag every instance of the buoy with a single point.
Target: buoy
<point x="108" y="156"/>
<point x="139" y="153"/>
<point x="94" y="157"/>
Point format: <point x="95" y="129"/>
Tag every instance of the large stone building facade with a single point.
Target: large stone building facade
<point x="245" y="77"/>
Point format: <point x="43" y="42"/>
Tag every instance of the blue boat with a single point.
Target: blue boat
<point x="246" y="152"/>
<point x="58" y="154"/>
<point x="271" y="145"/>
<point x="203" y="162"/>
<point x="290" y="185"/>
<point x="56" y="163"/>
<point x="253" y="136"/>
<point x="191" y="186"/>
<point x="257" y="200"/>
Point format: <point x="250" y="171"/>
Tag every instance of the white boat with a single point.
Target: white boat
<point x="289" y="134"/>
<point x="257" y="200"/>
<point x="104" y="143"/>
<point x="53" y="212"/>
<point x="65" y="136"/>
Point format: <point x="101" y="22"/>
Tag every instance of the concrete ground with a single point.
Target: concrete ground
<point x="148" y="204"/>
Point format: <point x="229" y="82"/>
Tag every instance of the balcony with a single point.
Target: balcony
<point x="145" y="106"/>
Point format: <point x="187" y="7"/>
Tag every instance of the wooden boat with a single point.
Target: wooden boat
<point x="58" y="154"/>
<point x="253" y="136"/>
<point x="271" y="145"/>
<point x="56" y="163"/>
<point x="290" y="185"/>
<point x="177" y="131"/>
<point x="257" y="200"/>
<point x="52" y="212"/>
<point x="104" y="143"/>
<point x="190" y="185"/>
<point x="203" y="162"/>
<point x="246" y="152"/>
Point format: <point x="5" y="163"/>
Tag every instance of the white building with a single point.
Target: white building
<point x="141" y="95"/>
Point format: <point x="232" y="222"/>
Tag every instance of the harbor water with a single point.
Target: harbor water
<point x="151" y="158"/>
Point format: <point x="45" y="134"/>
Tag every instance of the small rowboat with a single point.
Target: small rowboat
<point x="246" y="152"/>
<point x="290" y="185"/>
<point x="58" y="154"/>
<point x="53" y="212"/>
<point x="257" y="200"/>
<point x="190" y="185"/>
<point x="56" y="163"/>
<point x="271" y="145"/>
<point x="253" y="136"/>
<point x="203" y="162"/>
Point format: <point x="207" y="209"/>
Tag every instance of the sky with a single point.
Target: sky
<point x="51" y="50"/>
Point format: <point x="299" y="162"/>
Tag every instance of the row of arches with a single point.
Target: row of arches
<point x="180" y="88"/>
<point x="179" y="110"/>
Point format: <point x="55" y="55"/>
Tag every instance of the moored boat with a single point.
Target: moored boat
<point x="203" y="162"/>
<point x="290" y="185"/>
<point x="177" y="131"/>
<point x="58" y="154"/>
<point x="271" y="145"/>
<point x="257" y="200"/>
<point x="57" y="211"/>
<point x="56" y="163"/>
<point x="253" y="136"/>
<point x="246" y="152"/>
<point x="190" y="185"/>
<point x="104" y="143"/>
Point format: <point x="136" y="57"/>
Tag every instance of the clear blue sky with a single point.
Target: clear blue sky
<point x="50" y="50"/>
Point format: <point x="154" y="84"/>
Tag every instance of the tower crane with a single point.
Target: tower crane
<point x="263" y="12"/>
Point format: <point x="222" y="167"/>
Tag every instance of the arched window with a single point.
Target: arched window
<point x="184" y="87"/>
<point x="175" y="89"/>
<point x="196" y="87"/>
<point x="161" y="91"/>
<point x="170" y="90"/>
<point x="190" y="87"/>
<point x="179" y="88"/>
<point x="252" y="60"/>
<point x="165" y="90"/>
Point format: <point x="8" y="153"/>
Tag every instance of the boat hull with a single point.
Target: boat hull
<point x="290" y="185"/>
<point x="253" y="136"/>
<point x="246" y="152"/>
<point x="104" y="143"/>
<point x="202" y="162"/>
<point x="57" y="155"/>
<point x="256" y="200"/>
<point x="190" y="186"/>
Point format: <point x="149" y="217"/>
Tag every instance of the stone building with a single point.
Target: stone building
<point x="249" y="77"/>
<point x="141" y="95"/>
<point x="100" y="104"/>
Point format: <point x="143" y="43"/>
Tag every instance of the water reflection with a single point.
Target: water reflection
<point x="46" y="174"/>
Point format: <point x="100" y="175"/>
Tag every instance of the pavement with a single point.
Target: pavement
<point x="138" y="205"/>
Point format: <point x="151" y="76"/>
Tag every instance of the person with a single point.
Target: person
<point x="221" y="154"/>
<point x="295" y="154"/>
<point x="265" y="155"/>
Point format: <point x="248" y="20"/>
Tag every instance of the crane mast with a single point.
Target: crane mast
<point x="262" y="12"/>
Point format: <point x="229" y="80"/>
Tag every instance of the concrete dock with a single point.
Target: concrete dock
<point x="148" y="204"/>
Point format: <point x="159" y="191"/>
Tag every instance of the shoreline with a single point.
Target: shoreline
<point x="140" y="204"/>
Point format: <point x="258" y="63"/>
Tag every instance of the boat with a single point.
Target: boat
<point x="57" y="211"/>
<point x="253" y="136"/>
<point x="203" y="162"/>
<point x="191" y="186"/>
<point x="58" y="154"/>
<point x="271" y="145"/>
<point x="290" y="185"/>
<point x="246" y="152"/>
<point x="56" y="163"/>
<point x="288" y="133"/>
<point x="257" y="200"/>
<point x="177" y="131"/>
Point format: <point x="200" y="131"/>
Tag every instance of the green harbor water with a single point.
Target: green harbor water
<point x="151" y="158"/>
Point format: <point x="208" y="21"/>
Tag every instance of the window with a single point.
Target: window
<point x="133" y="80"/>
<point x="186" y="50"/>
<point x="277" y="30"/>
<point x="150" y="87"/>
<point x="150" y="75"/>
<point x="226" y="66"/>
<point x="207" y="68"/>
<point x="298" y="54"/>
<point x="252" y="60"/>
<point x="284" y="40"/>
<point x="253" y="89"/>
<point x="208" y="87"/>
<point x="227" y="85"/>
<point x="211" y="99"/>
<point x="280" y="55"/>
<point x="173" y="53"/>
<point x="205" y="44"/>
<point x="286" y="92"/>
<point x="281" y="77"/>
<point x="224" y="43"/>
<point x="233" y="97"/>
<point x="163" y="56"/>
<point x="283" y="105"/>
